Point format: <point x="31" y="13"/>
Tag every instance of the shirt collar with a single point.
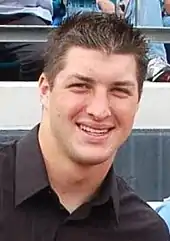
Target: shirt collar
<point x="109" y="192"/>
<point x="31" y="175"/>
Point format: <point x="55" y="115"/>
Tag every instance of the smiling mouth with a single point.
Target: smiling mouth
<point x="94" y="131"/>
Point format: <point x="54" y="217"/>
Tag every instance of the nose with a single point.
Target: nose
<point x="98" y="106"/>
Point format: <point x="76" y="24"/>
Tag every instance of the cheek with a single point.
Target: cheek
<point x="69" y="105"/>
<point x="76" y="106"/>
<point x="125" y="113"/>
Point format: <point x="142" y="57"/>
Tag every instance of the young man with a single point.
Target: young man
<point x="58" y="182"/>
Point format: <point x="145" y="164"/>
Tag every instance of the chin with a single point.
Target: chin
<point x="90" y="158"/>
<point x="92" y="154"/>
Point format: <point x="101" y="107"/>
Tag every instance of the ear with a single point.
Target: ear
<point x="44" y="90"/>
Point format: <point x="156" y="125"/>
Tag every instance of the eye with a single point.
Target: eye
<point x="79" y="87"/>
<point x="121" y="92"/>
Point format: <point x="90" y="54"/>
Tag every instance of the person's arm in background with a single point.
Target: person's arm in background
<point x="164" y="211"/>
<point x="167" y="6"/>
<point x="109" y="6"/>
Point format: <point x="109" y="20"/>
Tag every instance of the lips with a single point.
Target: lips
<point x="94" y="131"/>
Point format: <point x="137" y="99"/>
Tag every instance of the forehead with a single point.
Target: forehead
<point x="100" y="66"/>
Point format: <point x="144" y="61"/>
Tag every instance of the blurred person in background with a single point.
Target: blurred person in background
<point x="59" y="11"/>
<point x="166" y="22"/>
<point x="164" y="211"/>
<point x="148" y="16"/>
<point x="167" y="6"/>
<point x="27" y="55"/>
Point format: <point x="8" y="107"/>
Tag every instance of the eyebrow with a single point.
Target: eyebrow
<point x="127" y="83"/>
<point x="82" y="78"/>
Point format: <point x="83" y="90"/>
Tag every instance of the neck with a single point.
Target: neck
<point x="73" y="183"/>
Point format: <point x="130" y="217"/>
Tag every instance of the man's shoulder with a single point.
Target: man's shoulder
<point x="139" y="216"/>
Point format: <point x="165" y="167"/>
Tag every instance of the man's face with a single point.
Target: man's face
<point x="91" y="108"/>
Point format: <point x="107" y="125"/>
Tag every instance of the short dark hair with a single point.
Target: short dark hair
<point x="98" y="31"/>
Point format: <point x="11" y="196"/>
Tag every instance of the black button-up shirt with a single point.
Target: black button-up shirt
<point x="31" y="211"/>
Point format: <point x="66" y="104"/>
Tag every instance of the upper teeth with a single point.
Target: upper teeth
<point x="92" y="130"/>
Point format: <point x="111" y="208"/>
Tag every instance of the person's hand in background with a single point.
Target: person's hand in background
<point x="106" y="6"/>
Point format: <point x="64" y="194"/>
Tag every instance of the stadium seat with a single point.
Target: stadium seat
<point x="9" y="71"/>
<point x="9" y="68"/>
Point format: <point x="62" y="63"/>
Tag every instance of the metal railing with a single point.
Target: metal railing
<point x="33" y="33"/>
